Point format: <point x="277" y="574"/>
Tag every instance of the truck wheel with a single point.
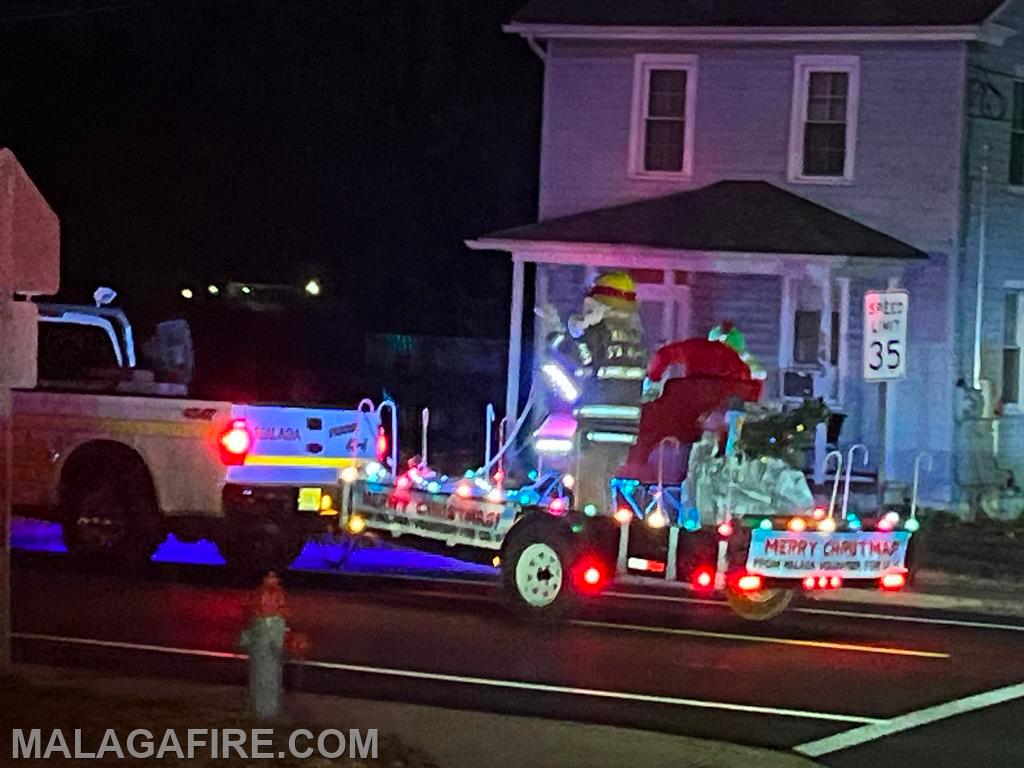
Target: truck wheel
<point x="254" y="548"/>
<point x="110" y="513"/>
<point x="536" y="573"/>
<point x="758" y="606"/>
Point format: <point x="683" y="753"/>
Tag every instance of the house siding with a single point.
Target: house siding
<point x="752" y="302"/>
<point x="988" y="142"/>
<point x="906" y="178"/>
<point x="907" y="182"/>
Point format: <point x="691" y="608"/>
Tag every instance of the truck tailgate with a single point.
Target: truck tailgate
<point x="303" y="445"/>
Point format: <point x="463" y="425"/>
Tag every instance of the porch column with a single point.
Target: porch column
<point x="515" y="343"/>
<point x="786" y="315"/>
<point x="825" y="329"/>
<point x="843" y="371"/>
<point x="825" y="337"/>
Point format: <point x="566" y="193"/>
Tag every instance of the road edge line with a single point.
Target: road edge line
<point x="461" y="679"/>
<point x="593" y="692"/>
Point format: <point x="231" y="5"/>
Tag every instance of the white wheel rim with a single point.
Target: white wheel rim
<point x="539" y="575"/>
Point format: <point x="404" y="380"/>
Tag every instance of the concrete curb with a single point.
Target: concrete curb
<point x="938" y="590"/>
<point x="454" y="738"/>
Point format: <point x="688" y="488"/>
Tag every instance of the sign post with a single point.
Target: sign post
<point x="29" y="264"/>
<point x="885" y="356"/>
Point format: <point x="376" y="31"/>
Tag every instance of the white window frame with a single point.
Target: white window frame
<point x="675" y="301"/>
<point x="643" y="64"/>
<point x="1014" y="288"/>
<point x="803" y="67"/>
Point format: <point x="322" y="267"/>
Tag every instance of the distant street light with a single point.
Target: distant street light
<point x="213" y="290"/>
<point x="313" y="287"/>
<point x="186" y="293"/>
<point x="246" y="290"/>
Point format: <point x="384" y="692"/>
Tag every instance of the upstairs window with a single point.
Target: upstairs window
<point x="1017" y="137"/>
<point x="1012" y="340"/>
<point x="824" y="121"/>
<point x="664" y="89"/>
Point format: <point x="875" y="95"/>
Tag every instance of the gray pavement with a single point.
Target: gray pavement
<point x="453" y="738"/>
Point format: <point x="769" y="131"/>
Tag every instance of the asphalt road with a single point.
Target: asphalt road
<point x="843" y="689"/>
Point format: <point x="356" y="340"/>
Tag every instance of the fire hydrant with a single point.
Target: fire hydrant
<point x="267" y="640"/>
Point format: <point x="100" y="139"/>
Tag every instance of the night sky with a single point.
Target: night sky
<point x="357" y="140"/>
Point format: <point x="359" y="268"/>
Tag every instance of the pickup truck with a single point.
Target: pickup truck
<point x="122" y="456"/>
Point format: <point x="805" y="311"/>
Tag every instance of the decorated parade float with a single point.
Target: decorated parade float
<point x="667" y="468"/>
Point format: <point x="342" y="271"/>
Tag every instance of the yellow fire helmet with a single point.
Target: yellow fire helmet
<point x="615" y="290"/>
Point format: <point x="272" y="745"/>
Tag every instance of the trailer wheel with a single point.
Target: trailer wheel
<point x="758" y="606"/>
<point x="537" y="574"/>
<point x="109" y="510"/>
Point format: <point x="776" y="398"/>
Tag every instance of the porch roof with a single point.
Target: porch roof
<point x="750" y="13"/>
<point x="728" y="216"/>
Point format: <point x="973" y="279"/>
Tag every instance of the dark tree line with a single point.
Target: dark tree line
<point x="359" y="140"/>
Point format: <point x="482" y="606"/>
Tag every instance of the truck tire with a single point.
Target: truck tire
<point x="109" y="511"/>
<point x="758" y="606"/>
<point x="536" y="572"/>
<point x="256" y="547"/>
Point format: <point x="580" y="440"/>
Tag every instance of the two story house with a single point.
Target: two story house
<point x="768" y="162"/>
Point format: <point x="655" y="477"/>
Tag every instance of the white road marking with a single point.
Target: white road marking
<point x="820" y="644"/>
<point x="879" y="730"/>
<point x="464" y="680"/>
<point x="593" y="692"/>
<point x="124" y="646"/>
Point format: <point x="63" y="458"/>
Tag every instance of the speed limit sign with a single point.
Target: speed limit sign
<point x="885" y="334"/>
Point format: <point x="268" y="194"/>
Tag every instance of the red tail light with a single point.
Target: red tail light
<point x="893" y="582"/>
<point x="749" y="583"/>
<point x="822" y="582"/>
<point x="703" y="578"/>
<point x="234" y="443"/>
<point x="590" y="575"/>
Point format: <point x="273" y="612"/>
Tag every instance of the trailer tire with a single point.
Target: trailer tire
<point x="760" y="606"/>
<point x="109" y="508"/>
<point x="536" y="573"/>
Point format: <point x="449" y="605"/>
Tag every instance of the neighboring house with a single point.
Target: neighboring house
<point x="767" y="163"/>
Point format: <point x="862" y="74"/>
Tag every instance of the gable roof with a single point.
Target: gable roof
<point x="730" y="216"/>
<point x="757" y="13"/>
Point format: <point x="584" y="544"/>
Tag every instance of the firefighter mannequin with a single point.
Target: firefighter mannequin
<point x="611" y="362"/>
